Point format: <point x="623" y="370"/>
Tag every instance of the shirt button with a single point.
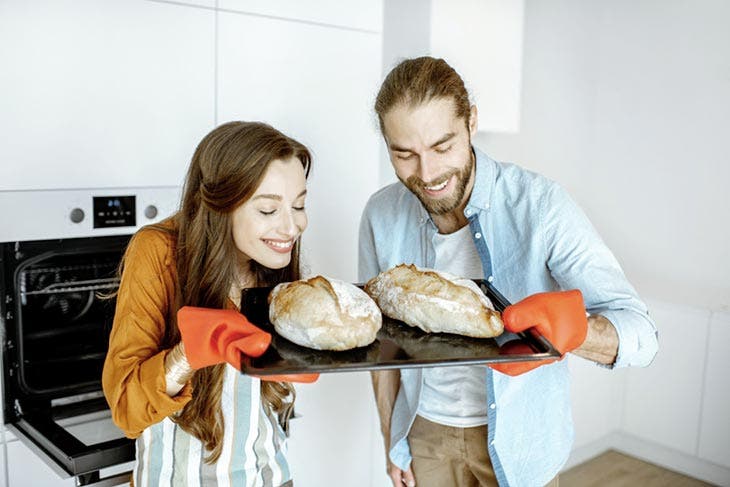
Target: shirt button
<point x="477" y="235"/>
<point x="490" y="278"/>
<point x="491" y="442"/>
<point x="468" y="212"/>
<point x="486" y="206"/>
<point x="492" y="406"/>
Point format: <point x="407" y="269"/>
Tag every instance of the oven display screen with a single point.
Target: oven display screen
<point x="115" y="211"/>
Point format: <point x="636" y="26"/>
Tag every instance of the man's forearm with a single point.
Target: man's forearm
<point x="385" y="385"/>
<point x="601" y="343"/>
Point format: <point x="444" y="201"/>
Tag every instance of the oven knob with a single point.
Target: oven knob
<point x="150" y="212"/>
<point x="77" y="215"/>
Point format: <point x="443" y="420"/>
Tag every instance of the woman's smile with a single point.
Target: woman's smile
<point x="281" y="246"/>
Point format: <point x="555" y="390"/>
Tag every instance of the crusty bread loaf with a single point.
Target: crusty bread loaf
<point x="324" y="314"/>
<point x="435" y="301"/>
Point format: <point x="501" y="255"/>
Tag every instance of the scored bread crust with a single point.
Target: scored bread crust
<point x="324" y="314"/>
<point x="435" y="301"/>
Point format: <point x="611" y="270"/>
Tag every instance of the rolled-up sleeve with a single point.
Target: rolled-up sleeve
<point x="367" y="265"/>
<point x="579" y="259"/>
<point x="134" y="374"/>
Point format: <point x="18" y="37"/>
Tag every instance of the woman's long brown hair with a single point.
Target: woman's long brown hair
<point x="226" y="169"/>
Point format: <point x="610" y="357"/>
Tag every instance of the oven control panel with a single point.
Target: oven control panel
<point x="115" y="211"/>
<point x="75" y="213"/>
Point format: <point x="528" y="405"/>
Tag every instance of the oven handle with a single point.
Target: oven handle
<point x="93" y="480"/>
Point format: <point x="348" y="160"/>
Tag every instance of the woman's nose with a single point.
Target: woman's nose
<point x="287" y="224"/>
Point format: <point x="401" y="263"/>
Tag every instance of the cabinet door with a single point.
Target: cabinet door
<point x="26" y="469"/>
<point x="103" y="93"/>
<point x="316" y="84"/>
<point x="356" y="14"/>
<point x="662" y="401"/>
<point x="714" y="443"/>
<point x="482" y="40"/>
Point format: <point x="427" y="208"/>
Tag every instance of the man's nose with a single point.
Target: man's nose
<point x="427" y="169"/>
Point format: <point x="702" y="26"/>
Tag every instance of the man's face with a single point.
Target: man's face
<point x="430" y="149"/>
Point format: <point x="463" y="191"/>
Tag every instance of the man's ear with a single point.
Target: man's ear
<point x="473" y="120"/>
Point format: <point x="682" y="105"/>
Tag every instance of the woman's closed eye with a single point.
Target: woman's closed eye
<point x="267" y="212"/>
<point x="298" y="205"/>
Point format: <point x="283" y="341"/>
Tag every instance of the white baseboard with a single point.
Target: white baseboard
<point x="653" y="453"/>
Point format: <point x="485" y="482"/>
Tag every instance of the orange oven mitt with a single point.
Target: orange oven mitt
<point x="214" y="336"/>
<point x="558" y="316"/>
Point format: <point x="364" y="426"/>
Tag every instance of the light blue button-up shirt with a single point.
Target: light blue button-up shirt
<point x="531" y="237"/>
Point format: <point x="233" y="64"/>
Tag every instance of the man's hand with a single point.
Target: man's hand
<point x="558" y="316"/>
<point x="401" y="478"/>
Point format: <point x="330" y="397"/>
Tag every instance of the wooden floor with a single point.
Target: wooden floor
<point x="614" y="469"/>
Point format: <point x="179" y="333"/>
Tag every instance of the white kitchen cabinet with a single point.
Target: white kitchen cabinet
<point x="663" y="401"/>
<point x="714" y="442"/>
<point x="482" y="40"/>
<point x="103" y="93"/>
<point x="356" y="14"/>
<point x="196" y="3"/>
<point x="26" y="469"/>
<point x="596" y="394"/>
<point x="316" y="84"/>
<point x="332" y="442"/>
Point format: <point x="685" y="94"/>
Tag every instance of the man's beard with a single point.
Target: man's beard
<point x="441" y="206"/>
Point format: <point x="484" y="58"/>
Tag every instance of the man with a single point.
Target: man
<point x="457" y="210"/>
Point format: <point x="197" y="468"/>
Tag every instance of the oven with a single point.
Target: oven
<point x="59" y="255"/>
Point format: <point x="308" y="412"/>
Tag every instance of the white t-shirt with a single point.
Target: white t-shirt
<point x="455" y="395"/>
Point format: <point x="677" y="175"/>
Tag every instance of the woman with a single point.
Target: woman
<point x="197" y="419"/>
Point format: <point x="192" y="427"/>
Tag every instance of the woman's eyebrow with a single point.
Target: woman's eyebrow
<point x="276" y="197"/>
<point x="268" y="196"/>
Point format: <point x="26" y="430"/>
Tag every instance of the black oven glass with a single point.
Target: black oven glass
<point x="57" y="301"/>
<point x="65" y="310"/>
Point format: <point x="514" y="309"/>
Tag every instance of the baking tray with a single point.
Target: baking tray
<point x="397" y="346"/>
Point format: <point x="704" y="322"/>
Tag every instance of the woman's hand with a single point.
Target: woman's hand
<point x="214" y="336"/>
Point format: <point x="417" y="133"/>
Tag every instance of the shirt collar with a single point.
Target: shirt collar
<point x="484" y="180"/>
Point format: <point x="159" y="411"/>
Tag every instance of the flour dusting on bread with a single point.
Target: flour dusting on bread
<point x="435" y="301"/>
<point x="324" y="314"/>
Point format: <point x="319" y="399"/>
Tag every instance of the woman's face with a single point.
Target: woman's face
<point x="266" y="226"/>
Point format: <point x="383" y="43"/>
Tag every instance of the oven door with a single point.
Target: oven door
<point x="77" y="444"/>
<point x="58" y="307"/>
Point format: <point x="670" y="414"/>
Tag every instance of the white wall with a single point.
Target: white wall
<point x="627" y="105"/>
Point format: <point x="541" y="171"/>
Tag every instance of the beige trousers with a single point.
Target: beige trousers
<point x="448" y="456"/>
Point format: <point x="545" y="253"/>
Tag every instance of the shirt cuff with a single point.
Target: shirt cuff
<point x="637" y="338"/>
<point x="400" y="455"/>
